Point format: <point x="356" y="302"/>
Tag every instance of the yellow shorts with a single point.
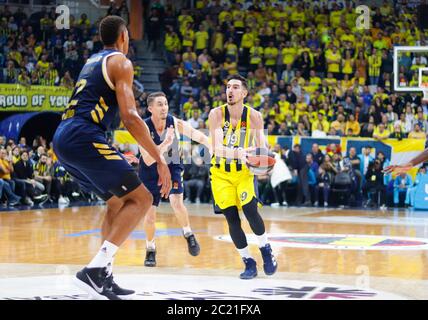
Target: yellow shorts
<point x="232" y="188"/>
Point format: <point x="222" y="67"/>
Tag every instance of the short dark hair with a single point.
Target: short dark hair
<point x="240" y="78"/>
<point x="152" y="96"/>
<point x="110" y="29"/>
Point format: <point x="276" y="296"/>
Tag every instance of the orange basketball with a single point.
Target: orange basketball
<point x="261" y="161"/>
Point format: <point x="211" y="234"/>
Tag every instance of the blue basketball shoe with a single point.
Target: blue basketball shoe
<point x="250" y="271"/>
<point x="269" y="263"/>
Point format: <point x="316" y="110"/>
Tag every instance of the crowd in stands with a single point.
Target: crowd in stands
<point x="351" y="179"/>
<point x="34" y="52"/>
<point x="311" y="72"/>
<point x="322" y="177"/>
<point x="31" y="174"/>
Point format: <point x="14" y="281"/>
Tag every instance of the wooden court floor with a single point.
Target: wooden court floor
<point x="70" y="236"/>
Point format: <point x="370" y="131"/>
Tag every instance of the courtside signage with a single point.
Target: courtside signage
<point x="339" y="241"/>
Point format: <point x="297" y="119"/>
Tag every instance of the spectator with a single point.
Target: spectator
<point x="339" y="125"/>
<point x="316" y="153"/>
<point x="197" y="176"/>
<point x="153" y="29"/>
<point x="6" y="170"/>
<point x="365" y="160"/>
<point x="353" y="125"/>
<point x="375" y="185"/>
<point x="380" y="133"/>
<point x="417" y="133"/>
<point x="194" y="121"/>
<point x="43" y="173"/>
<point x="411" y="191"/>
<point x="324" y="180"/>
<point x="401" y="183"/>
<point x="355" y="163"/>
<point x="23" y="171"/>
<point x="398" y="132"/>
<point x="308" y="181"/>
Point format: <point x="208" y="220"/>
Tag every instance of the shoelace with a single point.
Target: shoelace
<point x="192" y="240"/>
<point x="109" y="282"/>
<point x="268" y="253"/>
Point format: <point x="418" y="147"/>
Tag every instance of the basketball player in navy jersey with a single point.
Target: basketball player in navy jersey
<point x="104" y="87"/>
<point x="165" y="131"/>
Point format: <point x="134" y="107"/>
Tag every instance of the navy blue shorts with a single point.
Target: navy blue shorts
<point x="83" y="151"/>
<point x="149" y="176"/>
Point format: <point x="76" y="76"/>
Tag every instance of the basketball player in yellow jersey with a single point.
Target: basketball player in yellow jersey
<point x="233" y="128"/>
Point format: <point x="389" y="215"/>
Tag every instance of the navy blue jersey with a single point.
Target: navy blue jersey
<point x="94" y="96"/>
<point x="149" y="174"/>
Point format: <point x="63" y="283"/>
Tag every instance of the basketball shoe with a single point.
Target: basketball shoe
<point x="250" y="271"/>
<point x="192" y="244"/>
<point x="94" y="281"/>
<point x="269" y="263"/>
<point x="150" y="260"/>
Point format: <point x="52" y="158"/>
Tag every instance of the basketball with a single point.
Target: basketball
<point x="261" y="161"/>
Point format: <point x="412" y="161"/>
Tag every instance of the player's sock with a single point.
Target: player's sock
<point x="104" y="255"/>
<point x="187" y="230"/>
<point x="263" y="240"/>
<point x="150" y="244"/>
<point x="245" y="253"/>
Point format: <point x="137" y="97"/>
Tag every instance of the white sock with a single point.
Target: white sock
<point x="187" y="230"/>
<point x="245" y="253"/>
<point x="104" y="255"/>
<point x="150" y="244"/>
<point x="263" y="240"/>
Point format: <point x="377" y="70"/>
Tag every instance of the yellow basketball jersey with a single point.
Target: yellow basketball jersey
<point x="238" y="137"/>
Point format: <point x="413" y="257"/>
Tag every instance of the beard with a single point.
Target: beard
<point x="232" y="101"/>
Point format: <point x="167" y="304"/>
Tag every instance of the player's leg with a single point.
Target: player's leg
<point x="240" y="241"/>
<point x="177" y="203"/>
<point x="120" y="184"/>
<point x="95" y="278"/>
<point x="247" y="191"/>
<point x="114" y="204"/>
<point x="226" y="202"/>
<point x="149" y="226"/>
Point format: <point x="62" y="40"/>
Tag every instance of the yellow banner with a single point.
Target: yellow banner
<point x="16" y="97"/>
<point x="123" y="136"/>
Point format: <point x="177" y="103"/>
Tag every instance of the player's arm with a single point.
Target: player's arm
<point x="257" y="131"/>
<point x="121" y="72"/>
<point x="186" y="129"/>
<point x="216" y="133"/>
<point x="407" y="166"/>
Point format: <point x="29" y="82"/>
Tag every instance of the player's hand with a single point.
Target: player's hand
<point x="398" y="169"/>
<point x="131" y="158"/>
<point x="164" y="178"/>
<point x="243" y="153"/>
<point x="169" y="137"/>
